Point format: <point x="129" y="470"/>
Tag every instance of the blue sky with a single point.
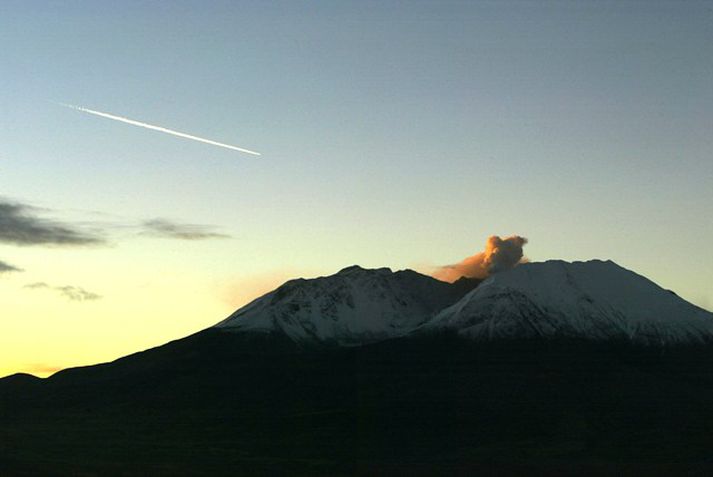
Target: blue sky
<point x="396" y="134"/>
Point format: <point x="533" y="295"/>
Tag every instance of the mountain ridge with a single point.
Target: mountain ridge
<point x="593" y="299"/>
<point x="355" y="306"/>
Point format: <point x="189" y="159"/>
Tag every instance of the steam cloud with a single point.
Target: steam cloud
<point x="499" y="254"/>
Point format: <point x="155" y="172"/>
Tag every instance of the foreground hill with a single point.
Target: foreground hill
<point x="215" y="405"/>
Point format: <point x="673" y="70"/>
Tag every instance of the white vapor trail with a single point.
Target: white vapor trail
<point x="158" y="128"/>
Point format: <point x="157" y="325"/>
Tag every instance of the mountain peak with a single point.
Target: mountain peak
<point x="592" y="300"/>
<point x="356" y="269"/>
<point x="354" y="306"/>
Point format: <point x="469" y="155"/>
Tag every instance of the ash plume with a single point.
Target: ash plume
<point x="499" y="254"/>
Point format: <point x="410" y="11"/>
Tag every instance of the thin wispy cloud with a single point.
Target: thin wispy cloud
<point x="140" y="124"/>
<point x="70" y="292"/>
<point x="7" y="268"/>
<point x="20" y="225"/>
<point x="163" y="228"/>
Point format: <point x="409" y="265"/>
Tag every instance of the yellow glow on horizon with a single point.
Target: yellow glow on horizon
<point x="43" y="331"/>
<point x="152" y="292"/>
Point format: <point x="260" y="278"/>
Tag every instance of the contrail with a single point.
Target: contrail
<point x="158" y="128"/>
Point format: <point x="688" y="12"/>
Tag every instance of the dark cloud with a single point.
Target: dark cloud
<point x="20" y="225"/>
<point x="70" y="292"/>
<point x="77" y="293"/>
<point x="6" y="268"/>
<point x="168" y="229"/>
<point x="37" y="285"/>
<point x="500" y="254"/>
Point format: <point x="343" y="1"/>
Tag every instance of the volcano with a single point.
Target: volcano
<point x="368" y="371"/>
<point x="595" y="300"/>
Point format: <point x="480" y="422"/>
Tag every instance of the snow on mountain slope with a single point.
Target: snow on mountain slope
<point x="594" y="300"/>
<point x="355" y="306"/>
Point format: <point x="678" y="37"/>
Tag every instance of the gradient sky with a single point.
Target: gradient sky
<point x="396" y="134"/>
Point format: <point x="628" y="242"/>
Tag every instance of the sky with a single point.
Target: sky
<point x="399" y="134"/>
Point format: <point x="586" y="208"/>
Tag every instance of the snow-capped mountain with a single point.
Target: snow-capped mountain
<point x="593" y="300"/>
<point x="355" y="306"/>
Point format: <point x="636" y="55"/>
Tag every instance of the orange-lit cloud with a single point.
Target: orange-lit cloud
<point x="240" y="292"/>
<point x="42" y="370"/>
<point x="499" y="254"/>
